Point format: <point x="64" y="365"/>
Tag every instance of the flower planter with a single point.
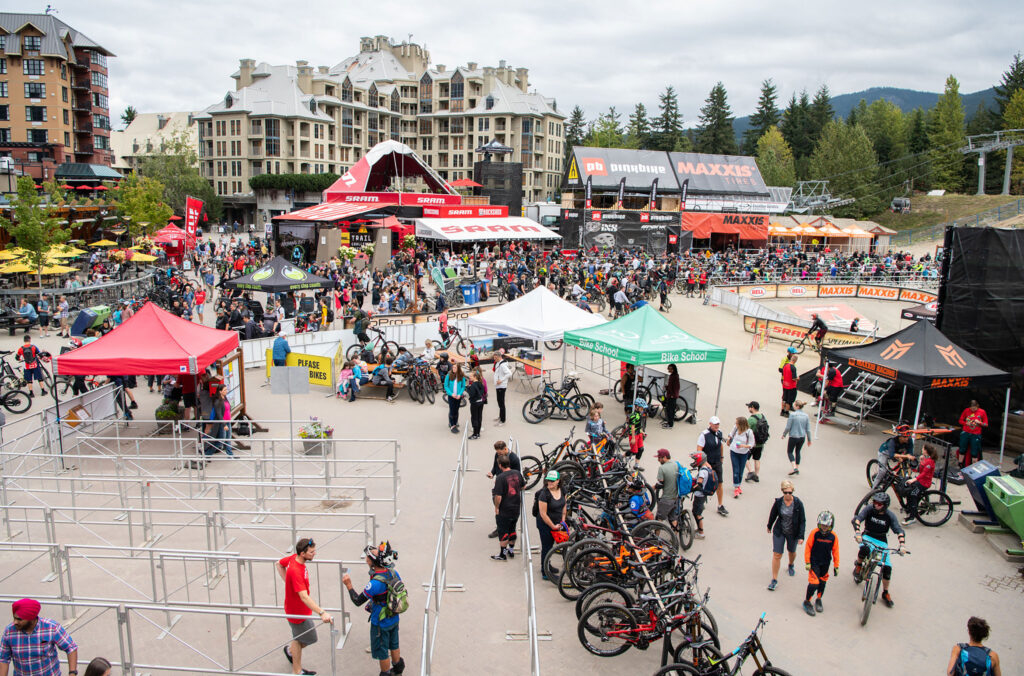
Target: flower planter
<point x="316" y="446"/>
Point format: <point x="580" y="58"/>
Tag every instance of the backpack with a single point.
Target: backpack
<point x="761" y="430"/>
<point x="536" y="501"/>
<point x="974" y="661"/>
<point x="684" y="480"/>
<point x="711" y="485"/>
<point x="396" y="601"/>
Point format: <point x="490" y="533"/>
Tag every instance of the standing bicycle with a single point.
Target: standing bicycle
<point x="872" y="525"/>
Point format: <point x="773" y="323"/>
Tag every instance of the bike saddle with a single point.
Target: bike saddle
<point x="4" y="352"/>
<point x="541" y="444"/>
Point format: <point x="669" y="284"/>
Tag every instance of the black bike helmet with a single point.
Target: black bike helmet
<point x="381" y="555"/>
<point x="635" y="483"/>
<point x="882" y="498"/>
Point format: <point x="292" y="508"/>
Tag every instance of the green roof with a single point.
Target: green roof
<point x="87" y="172"/>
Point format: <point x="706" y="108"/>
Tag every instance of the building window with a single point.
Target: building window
<point x="372" y="122"/>
<point x="489" y="102"/>
<point x="99" y="80"/>
<point x="37" y="136"/>
<point x="457" y="125"/>
<point x="346" y="126"/>
<point x="3" y="90"/>
<point x="5" y="112"/>
<point x="101" y="121"/>
<point x="67" y="117"/>
<point x="63" y="71"/>
<point x="425" y="127"/>
<point x="33" y="66"/>
<point x="99" y="59"/>
<point x="67" y="139"/>
<point x="3" y="42"/>
<point x="64" y="94"/>
<point x="5" y="135"/>
<point x="458" y="86"/>
<point x="35" y="90"/>
<point x="346" y="91"/>
<point x="35" y="113"/>
<point x="273" y="137"/>
<point x="100" y="101"/>
<point x="395" y="102"/>
<point x="33" y="43"/>
<point x="3" y="65"/>
<point x="372" y="96"/>
<point x="101" y="142"/>
<point x="483" y="124"/>
<point x="527" y="126"/>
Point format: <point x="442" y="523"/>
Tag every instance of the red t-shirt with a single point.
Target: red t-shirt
<point x="925" y="472"/>
<point x="789" y="377"/>
<point x="973" y="420"/>
<point x="296" y="579"/>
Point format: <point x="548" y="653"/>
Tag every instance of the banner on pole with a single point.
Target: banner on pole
<point x="193" y="207"/>
<point x="654" y="195"/>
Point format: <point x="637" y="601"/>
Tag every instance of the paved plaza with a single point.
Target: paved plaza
<point x="950" y="575"/>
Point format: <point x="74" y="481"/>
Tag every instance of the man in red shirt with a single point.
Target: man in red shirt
<point x="297" y="601"/>
<point x="973" y="419"/>
<point x="789" y="378"/>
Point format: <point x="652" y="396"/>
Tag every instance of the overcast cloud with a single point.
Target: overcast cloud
<point x="179" y="54"/>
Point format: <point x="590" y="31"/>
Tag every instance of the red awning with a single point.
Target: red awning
<point x="152" y="342"/>
<point x="754" y="233"/>
<point x="328" y="211"/>
<point x="169" y="233"/>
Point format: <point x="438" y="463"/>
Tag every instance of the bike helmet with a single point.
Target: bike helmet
<point x="814" y="316"/>
<point x="77" y="342"/>
<point x="791" y="350"/>
<point x="903" y="430"/>
<point x="635" y="483"/>
<point x="882" y="498"/>
<point x="826" y="520"/>
<point x="697" y="459"/>
<point x="640" y="403"/>
<point x="381" y="555"/>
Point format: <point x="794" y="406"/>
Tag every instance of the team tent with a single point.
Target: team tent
<point x="279" y="276"/>
<point x="922" y="358"/>
<point x="645" y="336"/>
<point x="537" y="315"/>
<point x="151" y="342"/>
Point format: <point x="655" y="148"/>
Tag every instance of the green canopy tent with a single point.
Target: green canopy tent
<point x="645" y="336"/>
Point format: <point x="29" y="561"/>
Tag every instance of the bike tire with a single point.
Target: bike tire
<point x="771" y="671"/>
<point x="460" y="347"/>
<point x="565" y="588"/>
<point x="595" y="624"/>
<point x="429" y="393"/>
<point x="589" y="566"/>
<point x="64" y="384"/>
<point x="668" y="302"/>
<point x="579" y="445"/>
<point x="570" y="473"/>
<point x="415" y="390"/>
<point x="934" y="508"/>
<point x="685" y="529"/>
<point x="537" y="409"/>
<point x="554" y="562"/>
<point x="677" y="670"/>
<point x="863" y="501"/>
<point x="869" y="598"/>
<point x="617" y="391"/>
<point x="391" y="347"/>
<point x="871" y="471"/>
<point x="659" y="530"/>
<point x="579" y="408"/>
<point x="10" y="382"/>
<point x="706" y="659"/>
<point x="603" y="593"/>
<point x="353" y="351"/>
<point x="16" y="401"/>
<point x="682" y="410"/>
<point x="532" y="470"/>
<point x="799" y="346"/>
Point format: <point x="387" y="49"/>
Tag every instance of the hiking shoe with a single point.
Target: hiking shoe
<point x="808" y="608"/>
<point x="500" y="557"/>
<point x="750" y="476"/>
<point x="796" y="470"/>
<point x="817" y="605"/>
<point x="887" y="600"/>
<point x="493" y="533"/>
<point x="722" y="511"/>
<point x="791" y="570"/>
<point x="772" y="585"/>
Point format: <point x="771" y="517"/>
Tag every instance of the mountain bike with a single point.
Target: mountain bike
<point x="933" y="507"/>
<point x="533" y="468"/>
<point x="802" y="343"/>
<point x="654" y="390"/>
<point x="421" y="382"/>
<point x="705" y="657"/>
<point x="462" y="345"/>
<point x="379" y="345"/>
<point x="871" y="574"/>
<point x="15" y="401"/>
<point x="550" y="400"/>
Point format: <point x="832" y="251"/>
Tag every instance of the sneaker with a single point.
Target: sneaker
<point x="772" y="585"/>
<point x="497" y="420"/>
<point x="499" y="557"/>
<point x="757" y="479"/>
<point x="287" y="655"/>
<point x="474" y="436"/>
<point x="509" y="553"/>
<point x="666" y="426"/>
<point x="723" y="511"/>
<point x="31" y="394"/>
<point x="909" y="520"/>
<point x="455" y="429"/>
<point x="817" y="605"/>
<point x="493" y="533"/>
<point x="699" y="535"/>
<point x="133" y="405"/>
<point x="310" y="672"/>
<point x="42" y="392"/>
<point x="887" y="600"/>
<point x="857" y="569"/>
<point x="808" y="608"/>
<point x="791" y="570"/>
<point x="750" y="476"/>
<point x="795" y="471"/>
<point x="391" y="398"/>
<point x="736" y="492"/>
<point x="399" y="666"/>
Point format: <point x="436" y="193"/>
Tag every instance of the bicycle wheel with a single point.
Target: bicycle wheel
<point x="16" y="401"/>
<point x="658" y="530"/>
<point x="570" y="473"/>
<point x="537" y="409"/>
<point x="554" y="562"/>
<point x="869" y="598"/>
<point x="607" y="630"/>
<point x="553" y="344"/>
<point x="462" y="346"/>
<point x="685" y="529"/>
<point x="389" y="347"/>
<point x="565" y="588"/>
<point x="617" y="391"/>
<point x="428" y="392"/>
<point x="863" y="502"/>
<point x="682" y="410"/>
<point x="603" y="593"/>
<point x="64" y="384"/>
<point x="799" y="345"/>
<point x="532" y="471"/>
<point x="579" y="408"/>
<point x="9" y="381"/>
<point x="415" y="390"/>
<point x="668" y="302"/>
<point x="589" y="566"/>
<point x="767" y="671"/>
<point x="677" y="670"/>
<point x="353" y="351"/>
<point x="934" y="508"/>
<point x="706" y="659"/>
<point x="871" y="471"/>
<point x="47" y="377"/>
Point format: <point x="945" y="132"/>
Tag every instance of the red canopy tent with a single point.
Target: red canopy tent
<point x="152" y="342"/>
<point x="169" y="233"/>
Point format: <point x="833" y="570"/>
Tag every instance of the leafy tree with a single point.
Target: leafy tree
<point x="1013" y="79"/>
<point x="715" y="133"/>
<point x="129" y="115"/>
<point x="1013" y="118"/>
<point x="668" y="126"/>
<point x="821" y="113"/>
<point x="775" y="159"/>
<point x="638" y="130"/>
<point x="33" y="226"/>
<point x="606" y="132"/>
<point x="296" y="182"/>
<point x="140" y="201"/>
<point x="946" y="136"/>
<point x="883" y="121"/>
<point x="767" y="116"/>
<point x="844" y="156"/>
<point x="575" y="130"/>
<point x="176" y="165"/>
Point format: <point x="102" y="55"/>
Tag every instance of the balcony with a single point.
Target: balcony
<point x="80" y="84"/>
<point x="84" y="129"/>
<point x="84" y="150"/>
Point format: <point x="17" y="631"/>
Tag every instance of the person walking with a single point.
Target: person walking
<point x="502" y="376"/>
<point x="741" y="440"/>
<point x="671" y="395"/>
<point x="384" y="582"/>
<point x="501" y="449"/>
<point x="477" y="395"/>
<point x="709" y="444"/>
<point x="798" y="428"/>
<point x="298" y="604"/>
<point x="550" y="512"/>
<point x="29" y="354"/>
<point x="30" y="643"/>
<point x="759" y="426"/>
<point x="43" y="312"/>
<point x="64" y="314"/>
<point x="705" y="482"/>
<point x="789" y="382"/>
<point x="973" y="658"/>
<point x="820" y="554"/>
<point x="455" y="389"/>
<point x="280" y="350"/>
<point x="507" y="496"/>
<point x="786" y="524"/>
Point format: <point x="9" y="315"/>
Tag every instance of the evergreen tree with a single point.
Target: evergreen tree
<point x="715" y="134"/>
<point x="668" y="126"/>
<point x="795" y="127"/>
<point x="775" y="159"/>
<point x="821" y="113"/>
<point x="1013" y="79"/>
<point x="917" y="132"/>
<point x="606" y="132"/>
<point x="764" y="118"/>
<point x="845" y="158"/>
<point x="1013" y="118"/>
<point x="983" y="121"/>
<point x="857" y="113"/>
<point x="639" y="128"/>
<point x="129" y="115"/>
<point x="946" y="136"/>
<point x="885" y="126"/>
<point x="575" y="130"/>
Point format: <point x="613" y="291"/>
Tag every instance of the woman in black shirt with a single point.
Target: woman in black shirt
<point x="550" y="512"/>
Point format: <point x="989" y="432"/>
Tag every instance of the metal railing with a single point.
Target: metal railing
<point x="532" y="635"/>
<point x="438" y="583"/>
<point x="987" y="217"/>
<point x="86" y="296"/>
<point x="903" y="279"/>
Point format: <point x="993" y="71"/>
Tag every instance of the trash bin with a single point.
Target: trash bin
<point x="469" y="293"/>
<point x="1006" y="496"/>
<point x="975" y="476"/>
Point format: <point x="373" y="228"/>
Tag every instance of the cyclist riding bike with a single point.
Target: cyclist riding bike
<point x="818" y="328"/>
<point x="872" y="526"/>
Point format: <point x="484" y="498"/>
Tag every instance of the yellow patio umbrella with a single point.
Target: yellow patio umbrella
<point x="7" y="256"/>
<point x="16" y="250"/>
<point x="143" y="258"/>
<point x="58" y="269"/>
<point x="15" y="267"/>
<point x="64" y="252"/>
<point x="104" y="242"/>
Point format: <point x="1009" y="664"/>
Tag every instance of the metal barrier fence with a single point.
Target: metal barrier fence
<point x="126" y="624"/>
<point x="908" y="279"/>
<point x="984" y="218"/>
<point x="87" y="296"/>
<point x="438" y="583"/>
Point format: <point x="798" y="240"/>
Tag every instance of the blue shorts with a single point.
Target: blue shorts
<point x="383" y="640"/>
<point x="34" y="374"/>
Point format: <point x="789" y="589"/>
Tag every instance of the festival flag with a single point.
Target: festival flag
<point x="588" y="195"/>
<point x="654" y="195"/>
<point x="622" y="192"/>
<point x="682" y="195"/>
<point x="193" y="207"/>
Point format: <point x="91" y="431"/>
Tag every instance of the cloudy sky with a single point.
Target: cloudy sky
<point x="178" y="55"/>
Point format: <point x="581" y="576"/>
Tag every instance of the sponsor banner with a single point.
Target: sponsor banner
<point x="360" y="237"/>
<point x="423" y="317"/>
<point x="406" y="198"/>
<point x="727" y="289"/>
<point x="796" y="290"/>
<point x="789" y="332"/>
<point x="948" y="383"/>
<point x="193" y="207"/>
<point x="837" y="290"/>
<point x="917" y="296"/>
<point x="757" y="290"/>
<point x="624" y="217"/>
<point x="871" y="367"/>
<point x="653" y="199"/>
<point x="588" y="195"/>
<point x="683" y="190"/>
<point x="605" y="168"/>
<point x="729" y="174"/>
<point x="883" y="292"/>
<point x="321" y="369"/>
<point x="622" y="193"/>
<point x="465" y="211"/>
<point x="747" y="226"/>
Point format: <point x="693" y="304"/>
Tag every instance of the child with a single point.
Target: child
<point x="596" y="429"/>
<point x="346" y="382"/>
<point x="428" y="351"/>
<point x="921" y="482"/>
<point x="822" y="548"/>
<point x="635" y="422"/>
<point x="639" y="504"/>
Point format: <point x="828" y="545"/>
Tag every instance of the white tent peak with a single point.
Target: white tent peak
<point x="537" y="315"/>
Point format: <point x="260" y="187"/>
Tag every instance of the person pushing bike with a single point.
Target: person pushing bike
<point x="818" y="328"/>
<point x="872" y="525"/>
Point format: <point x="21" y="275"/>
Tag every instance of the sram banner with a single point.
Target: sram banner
<point x="406" y="198"/>
<point x="465" y="211"/>
<point x="790" y="332"/>
<point x="482" y="230"/>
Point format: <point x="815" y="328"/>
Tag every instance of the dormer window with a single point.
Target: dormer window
<point x="489" y="102"/>
<point x="228" y="101"/>
<point x="312" y="106"/>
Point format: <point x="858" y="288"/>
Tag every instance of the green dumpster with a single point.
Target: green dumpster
<point x="1006" y="495"/>
<point x="102" y="312"/>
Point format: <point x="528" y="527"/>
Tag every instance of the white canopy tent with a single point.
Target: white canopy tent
<point x="537" y="315"/>
<point x="482" y="229"/>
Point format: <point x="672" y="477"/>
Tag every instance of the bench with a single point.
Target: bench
<point x="371" y="391"/>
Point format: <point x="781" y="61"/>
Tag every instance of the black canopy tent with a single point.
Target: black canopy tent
<point x="278" y="276"/>
<point x="922" y="358"/>
<point x="922" y="311"/>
